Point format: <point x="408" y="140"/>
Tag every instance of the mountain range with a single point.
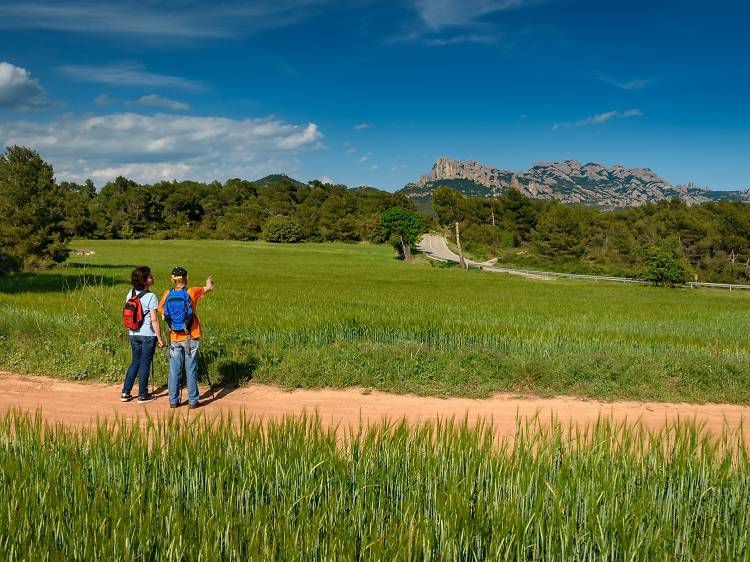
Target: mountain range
<point x="614" y="187"/>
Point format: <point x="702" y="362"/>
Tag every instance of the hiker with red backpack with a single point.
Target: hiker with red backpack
<point x="140" y="318"/>
<point x="178" y="306"/>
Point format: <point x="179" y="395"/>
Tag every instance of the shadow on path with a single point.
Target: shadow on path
<point x="232" y="375"/>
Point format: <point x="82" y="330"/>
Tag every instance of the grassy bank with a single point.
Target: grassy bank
<point x="233" y="491"/>
<point x="339" y="315"/>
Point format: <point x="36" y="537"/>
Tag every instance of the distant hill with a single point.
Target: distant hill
<point x="591" y="184"/>
<point x="275" y="179"/>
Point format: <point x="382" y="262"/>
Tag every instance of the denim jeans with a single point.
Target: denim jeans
<point x="143" y="353"/>
<point x="180" y="355"/>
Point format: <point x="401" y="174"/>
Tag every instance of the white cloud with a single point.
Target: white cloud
<point x="637" y="84"/>
<point x="634" y="84"/>
<point x="18" y="90"/>
<point x="484" y="39"/>
<point x="149" y="148"/>
<point x="361" y="126"/>
<point x="599" y="119"/>
<point x="126" y="74"/>
<point x="157" y="171"/>
<point x="167" y="20"/>
<point x="351" y="150"/>
<point x="326" y="179"/>
<point x="439" y="14"/>
<point x="365" y="157"/>
<point x="399" y="167"/>
<point x="105" y="99"/>
<point x="448" y="22"/>
<point x="154" y="100"/>
<point x="151" y="100"/>
<point x="373" y="167"/>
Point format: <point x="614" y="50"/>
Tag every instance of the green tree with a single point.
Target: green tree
<point x="78" y="221"/>
<point x="559" y="232"/>
<point x="32" y="206"/>
<point x="283" y="229"/>
<point x="449" y="205"/>
<point x="520" y="211"/>
<point x="663" y="262"/>
<point x="408" y="226"/>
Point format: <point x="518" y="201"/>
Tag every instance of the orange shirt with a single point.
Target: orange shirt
<point x="196" y="295"/>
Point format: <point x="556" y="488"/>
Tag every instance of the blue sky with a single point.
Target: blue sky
<point x="366" y="92"/>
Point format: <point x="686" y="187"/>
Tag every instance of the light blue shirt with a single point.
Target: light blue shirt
<point x="148" y="303"/>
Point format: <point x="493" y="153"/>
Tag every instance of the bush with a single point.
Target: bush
<point x="664" y="264"/>
<point x="283" y="229"/>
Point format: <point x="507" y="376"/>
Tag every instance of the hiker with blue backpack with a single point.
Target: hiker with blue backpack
<point x="140" y="318"/>
<point x="178" y="307"/>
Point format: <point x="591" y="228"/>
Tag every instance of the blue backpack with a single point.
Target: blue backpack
<point x="178" y="310"/>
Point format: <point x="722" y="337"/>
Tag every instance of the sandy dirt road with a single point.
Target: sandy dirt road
<point x="80" y="404"/>
<point x="436" y="247"/>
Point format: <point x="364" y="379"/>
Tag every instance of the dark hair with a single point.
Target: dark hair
<point x="139" y="277"/>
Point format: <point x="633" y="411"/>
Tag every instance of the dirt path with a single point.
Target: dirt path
<point x="436" y="247"/>
<point x="80" y="404"/>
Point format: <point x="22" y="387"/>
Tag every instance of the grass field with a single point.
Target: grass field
<point x="292" y="491"/>
<point x="339" y="315"/>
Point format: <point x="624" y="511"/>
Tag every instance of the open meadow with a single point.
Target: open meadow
<point x="339" y="315"/>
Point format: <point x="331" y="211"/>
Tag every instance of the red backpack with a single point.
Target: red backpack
<point x="132" y="312"/>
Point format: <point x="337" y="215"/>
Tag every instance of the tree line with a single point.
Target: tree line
<point x="670" y="239"/>
<point x="41" y="215"/>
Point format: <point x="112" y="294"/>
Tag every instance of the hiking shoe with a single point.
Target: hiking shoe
<point x="194" y="405"/>
<point x="124" y="397"/>
<point x="174" y="404"/>
<point x="146" y="398"/>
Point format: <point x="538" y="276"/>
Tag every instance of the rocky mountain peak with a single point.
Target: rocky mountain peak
<point x="567" y="181"/>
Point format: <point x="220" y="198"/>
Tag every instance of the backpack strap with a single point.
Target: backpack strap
<point x="140" y="295"/>
<point x="188" y="323"/>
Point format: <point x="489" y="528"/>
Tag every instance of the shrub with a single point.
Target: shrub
<point x="283" y="229"/>
<point x="664" y="264"/>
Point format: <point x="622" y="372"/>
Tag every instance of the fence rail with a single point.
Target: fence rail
<point x="540" y="274"/>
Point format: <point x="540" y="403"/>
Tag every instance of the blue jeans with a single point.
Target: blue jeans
<point x="143" y="353"/>
<point x="180" y="355"/>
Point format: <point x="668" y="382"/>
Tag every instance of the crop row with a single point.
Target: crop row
<point x="241" y="489"/>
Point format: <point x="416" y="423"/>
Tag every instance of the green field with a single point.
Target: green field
<point x="294" y="491"/>
<point x="315" y="315"/>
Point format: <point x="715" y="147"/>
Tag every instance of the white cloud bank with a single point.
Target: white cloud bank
<point x="164" y="146"/>
<point x="18" y="90"/>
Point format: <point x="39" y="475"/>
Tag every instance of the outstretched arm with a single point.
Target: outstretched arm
<point x="209" y="285"/>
